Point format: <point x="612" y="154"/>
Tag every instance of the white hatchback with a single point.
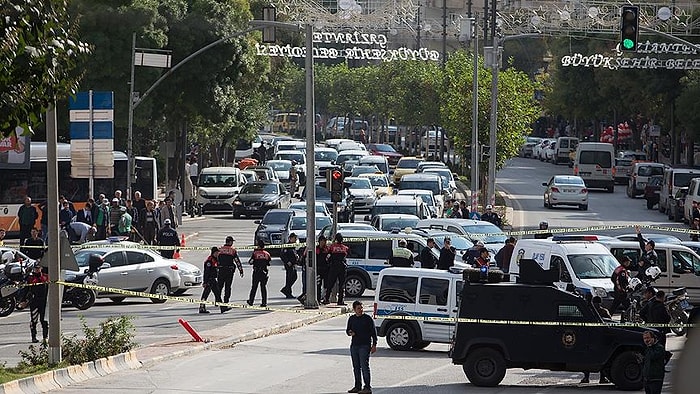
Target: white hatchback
<point x="566" y="190"/>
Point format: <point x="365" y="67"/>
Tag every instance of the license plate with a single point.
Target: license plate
<point x="251" y="208"/>
<point x="276" y="241"/>
<point x="215" y="202"/>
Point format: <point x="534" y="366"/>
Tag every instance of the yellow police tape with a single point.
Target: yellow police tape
<point x="393" y="317"/>
<point x="554" y="231"/>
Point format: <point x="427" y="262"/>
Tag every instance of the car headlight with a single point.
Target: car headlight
<point x="270" y="203"/>
<point x="202" y="193"/>
<point x="600" y="292"/>
<point x="237" y="202"/>
<point x="262" y="235"/>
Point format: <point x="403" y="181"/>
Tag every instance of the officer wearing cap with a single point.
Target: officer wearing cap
<point x="167" y="236"/>
<point x="491" y="216"/>
<point x="228" y="262"/>
<point x="447" y="255"/>
<point x="290" y="259"/>
<point x="648" y="256"/>
<point x="427" y="259"/>
<point x="401" y="256"/>
<point x="544" y="235"/>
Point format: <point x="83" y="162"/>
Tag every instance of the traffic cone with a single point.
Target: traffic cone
<point x="182" y="240"/>
<point x="176" y="255"/>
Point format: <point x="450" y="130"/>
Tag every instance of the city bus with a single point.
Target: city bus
<point x="16" y="184"/>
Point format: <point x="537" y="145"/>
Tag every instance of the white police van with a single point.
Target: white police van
<point x="581" y="261"/>
<point x="417" y="292"/>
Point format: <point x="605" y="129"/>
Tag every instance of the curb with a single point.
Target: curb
<point x="64" y="377"/>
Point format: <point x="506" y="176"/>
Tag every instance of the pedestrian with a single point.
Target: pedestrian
<point x="27" y="216"/>
<point x="473" y="253"/>
<point x="148" y="223"/>
<point x="63" y="200"/>
<point x="337" y="254"/>
<point x="65" y="217"/>
<point x="262" y="151"/>
<point x="133" y="211"/>
<point x="401" y="256"/>
<point x="483" y="259"/>
<point x="260" y="261"/>
<point x="648" y="256"/>
<point x="364" y="342"/>
<point x="491" y="216"/>
<point x="427" y="259"/>
<point x="503" y="256"/>
<point x="544" y="231"/>
<point x="447" y="212"/>
<point x="34" y="246"/>
<point x="289" y="258"/>
<point x="120" y="199"/>
<point x="293" y="178"/>
<point x="124" y="223"/>
<point x="447" y="255"/>
<point x="79" y="232"/>
<point x="194" y="171"/>
<point x="654" y="361"/>
<point x="167" y="236"/>
<point x="209" y="281"/>
<point x="322" y="266"/>
<point x="620" y="279"/>
<point x="167" y="212"/>
<point x="139" y="203"/>
<point x="38" y="292"/>
<point x="655" y="312"/>
<point x="85" y="215"/>
<point x="228" y="262"/>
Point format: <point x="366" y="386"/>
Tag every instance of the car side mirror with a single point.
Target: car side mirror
<point x="105" y="265"/>
<point x="544" y="183"/>
<point x="257" y="222"/>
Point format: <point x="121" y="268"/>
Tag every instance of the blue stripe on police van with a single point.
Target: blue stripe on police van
<point x="390" y="312"/>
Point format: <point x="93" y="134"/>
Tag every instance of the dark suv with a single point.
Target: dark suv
<point x="273" y="229"/>
<point x="548" y="328"/>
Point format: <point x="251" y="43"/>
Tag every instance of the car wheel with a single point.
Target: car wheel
<point x="420" y="345"/>
<point x="400" y="337"/>
<point x="626" y="371"/>
<point x="162" y="288"/>
<point x="485" y="367"/>
<point x="583" y="207"/>
<point x="83" y="299"/>
<point x="354" y="286"/>
<point x="545" y="203"/>
<point x="611" y="188"/>
<point x="117" y="300"/>
<point x="650" y="204"/>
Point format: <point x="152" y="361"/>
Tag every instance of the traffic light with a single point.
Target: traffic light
<point x="485" y="152"/>
<point x="629" y="28"/>
<point x="336" y="184"/>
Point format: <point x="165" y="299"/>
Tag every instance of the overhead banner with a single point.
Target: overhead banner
<point x="355" y="45"/>
<point x="14" y="151"/>
<point x="658" y="57"/>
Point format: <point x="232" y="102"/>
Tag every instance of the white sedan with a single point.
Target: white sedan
<point x="566" y="190"/>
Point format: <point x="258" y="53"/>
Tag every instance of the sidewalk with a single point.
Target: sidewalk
<point x="266" y="324"/>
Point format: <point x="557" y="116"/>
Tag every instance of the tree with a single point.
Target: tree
<point x="39" y="59"/>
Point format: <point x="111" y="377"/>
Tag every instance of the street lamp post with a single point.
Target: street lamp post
<point x="470" y="31"/>
<point x="311" y="301"/>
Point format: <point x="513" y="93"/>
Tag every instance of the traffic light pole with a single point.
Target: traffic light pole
<point x="311" y="301"/>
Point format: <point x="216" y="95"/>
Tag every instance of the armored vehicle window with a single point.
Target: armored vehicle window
<point x="398" y="289"/>
<point x="568" y="311"/>
<point x="434" y="291"/>
<point x="558" y="264"/>
<point x="380" y="250"/>
<point x="357" y="250"/>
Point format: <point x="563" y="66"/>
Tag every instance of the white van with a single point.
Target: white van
<point x="674" y="179"/>
<point x="218" y="187"/>
<point x="565" y="145"/>
<point x="376" y="160"/>
<point x="408" y="205"/>
<point x="640" y="175"/>
<point x="679" y="265"/>
<point x="594" y="163"/>
<point x="693" y="196"/>
<point x="420" y="293"/>
<point x="581" y="261"/>
<point x="367" y="257"/>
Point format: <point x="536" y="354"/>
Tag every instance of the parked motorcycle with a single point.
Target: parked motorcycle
<point x="13" y="274"/>
<point x="635" y="292"/>
<point x="79" y="297"/>
<point x="678" y="308"/>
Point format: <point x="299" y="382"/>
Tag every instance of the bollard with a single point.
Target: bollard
<point x="190" y="330"/>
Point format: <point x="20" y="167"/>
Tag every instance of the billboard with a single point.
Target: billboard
<point x="14" y="151"/>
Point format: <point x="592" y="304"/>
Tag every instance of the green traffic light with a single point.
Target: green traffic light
<point x="628" y="43"/>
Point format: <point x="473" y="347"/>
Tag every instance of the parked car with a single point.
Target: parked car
<point x="362" y="193"/>
<point x="381" y="184"/>
<point x="273" y="229"/>
<point x="639" y="175"/>
<point x="256" y="198"/>
<point x="281" y="168"/>
<point x="566" y="190"/>
<point x="652" y="191"/>
<point x="385" y="150"/>
<point x="528" y="148"/>
<point x="538" y="151"/>
<point x="319" y="207"/>
<point x="264" y="173"/>
<point x="675" y="205"/>
<point x="133" y="269"/>
<point x="297" y="226"/>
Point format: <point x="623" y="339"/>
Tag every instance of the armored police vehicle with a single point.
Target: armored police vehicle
<point x="535" y="325"/>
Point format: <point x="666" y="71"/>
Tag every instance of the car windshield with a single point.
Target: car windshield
<point x="408" y="163"/>
<point x="82" y="257"/>
<point x="593" y="266"/>
<point x="325" y="155"/>
<point x="384" y="148"/>
<point x="280" y="165"/>
<point x="427" y="198"/>
<point x="272" y="217"/>
<point x="260" y="188"/>
<point x="600" y="158"/>
<point x="378" y="181"/>
<point x="566" y="180"/>
<point x="400" y="209"/>
<point x="421" y="185"/>
<point x="219" y="180"/>
<point x="683" y="179"/>
<point x="364" y="169"/>
<point x="477" y="231"/>
<point x="358" y="183"/>
<point x="443" y="177"/>
<point x="650" y="170"/>
<point x="534" y="139"/>
<point x="250" y="176"/>
<point x="298" y="157"/>
<point x="299" y="222"/>
<point x="401" y="223"/>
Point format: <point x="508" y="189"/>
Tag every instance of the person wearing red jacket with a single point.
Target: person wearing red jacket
<point x="260" y="261"/>
<point x="38" y="291"/>
<point x="337" y="253"/>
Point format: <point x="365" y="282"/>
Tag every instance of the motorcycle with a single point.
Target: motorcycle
<point x="13" y="274"/>
<point x="678" y="308"/>
<point x="79" y="297"/>
<point x="635" y="290"/>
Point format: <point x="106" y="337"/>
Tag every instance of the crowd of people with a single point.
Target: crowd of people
<point x="459" y="210"/>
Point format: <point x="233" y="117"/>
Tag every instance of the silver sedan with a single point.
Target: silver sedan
<point x="566" y="190"/>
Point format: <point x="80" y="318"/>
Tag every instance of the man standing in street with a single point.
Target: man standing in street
<point x="228" y="262"/>
<point x="648" y="256"/>
<point x="148" y="223"/>
<point x="261" y="263"/>
<point x="491" y="217"/>
<point x="620" y="279"/>
<point x="209" y="281"/>
<point x="483" y="259"/>
<point x="447" y="255"/>
<point x="27" y="216"/>
<point x="336" y="269"/>
<point x="37" y="302"/>
<point x="401" y="256"/>
<point x="167" y="236"/>
<point x="102" y="219"/>
<point x="427" y="259"/>
<point x="364" y="342"/>
<point x="654" y="312"/>
<point x="34" y="246"/>
<point x="289" y="258"/>
<point x="653" y="367"/>
<point x="503" y="256"/>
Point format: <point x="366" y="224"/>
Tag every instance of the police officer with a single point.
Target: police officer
<point x="401" y="256"/>
<point x="37" y="302"/>
<point x="648" y="256"/>
<point x="228" y="262"/>
<point x="543" y="235"/>
<point x="260" y="261"/>
<point x="167" y="236"/>
<point x="447" y="255"/>
<point x="427" y="259"/>
<point x="491" y="217"/>
<point x="322" y="266"/>
<point x="290" y="259"/>
<point x="337" y="253"/>
<point x="620" y="279"/>
<point x="211" y="270"/>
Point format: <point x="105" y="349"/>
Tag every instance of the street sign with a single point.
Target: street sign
<point x="92" y="135"/>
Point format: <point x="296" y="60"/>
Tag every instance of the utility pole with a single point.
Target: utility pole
<point x="311" y="301"/>
<point x="495" y="53"/>
<point x="54" y="253"/>
<point x="444" y="38"/>
<point x="475" y="121"/>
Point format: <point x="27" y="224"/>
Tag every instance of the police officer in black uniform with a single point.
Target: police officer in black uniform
<point x="260" y="261"/>
<point x="228" y="262"/>
<point x="337" y="254"/>
<point x="211" y="270"/>
<point x="427" y="259"/>
<point x="648" y="256"/>
<point x="543" y="226"/>
<point x="167" y="236"/>
<point x="290" y="259"/>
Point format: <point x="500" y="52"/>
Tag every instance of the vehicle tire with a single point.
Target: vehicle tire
<point x="671" y="215"/>
<point x="160" y="287"/>
<point x="545" y="204"/>
<point x="420" y="345"/>
<point x="679" y="318"/>
<point x="549" y="204"/>
<point x="584" y="207"/>
<point x="626" y="371"/>
<point x="354" y="286"/>
<point x="117" y="300"/>
<point x="611" y="188"/>
<point x="83" y="299"/>
<point x="650" y="205"/>
<point x="179" y="292"/>
<point x="400" y="336"/>
<point x="7" y="306"/>
<point x="629" y="192"/>
<point x="485" y="367"/>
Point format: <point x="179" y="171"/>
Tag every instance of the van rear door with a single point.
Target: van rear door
<point x="434" y="301"/>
